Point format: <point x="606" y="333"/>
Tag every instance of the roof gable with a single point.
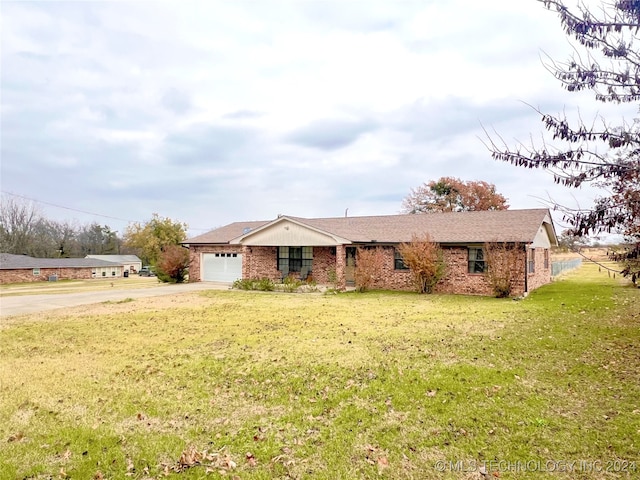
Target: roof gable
<point x="289" y="231"/>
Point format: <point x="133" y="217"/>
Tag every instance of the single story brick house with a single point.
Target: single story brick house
<point x="325" y="248"/>
<point x="22" y="268"/>
<point x="130" y="263"/>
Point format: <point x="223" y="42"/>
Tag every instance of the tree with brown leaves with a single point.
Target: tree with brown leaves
<point x="369" y="265"/>
<point x="504" y="261"/>
<point x="449" y="194"/>
<point x="425" y="261"/>
<point x="173" y="264"/>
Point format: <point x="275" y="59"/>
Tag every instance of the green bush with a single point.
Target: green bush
<point x="244" y="284"/>
<point x="291" y="284"/>
<point x="262" y="284"/>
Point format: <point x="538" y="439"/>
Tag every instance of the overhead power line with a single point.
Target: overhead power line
<point x="82" y="211"/>
<point x="65" y="207"/>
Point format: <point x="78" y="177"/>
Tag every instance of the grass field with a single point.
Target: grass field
<point x="248" y="385"/>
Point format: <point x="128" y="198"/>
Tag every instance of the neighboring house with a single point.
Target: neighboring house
<point x="131" y="263"/>
<point x="21" y="268"/>
<point x="325" y="248"/>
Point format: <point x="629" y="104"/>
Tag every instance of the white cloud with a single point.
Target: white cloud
<point x="211" y="112"/>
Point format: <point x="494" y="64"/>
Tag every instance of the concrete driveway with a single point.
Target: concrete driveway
<point x="23" y="304"/>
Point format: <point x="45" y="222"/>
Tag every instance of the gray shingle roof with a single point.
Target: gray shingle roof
<point x="226" y="233"/>
<point x="451" y="227"/>
<point x="9" y="261"/>
<point x="116" y="258"/>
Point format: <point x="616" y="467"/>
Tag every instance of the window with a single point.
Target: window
<point x="532" y="261"/>
<point x="398" y="261"/>
<point x="36" y="271"/>
<point x="477" y="263"/>
<point x="546" y="259"/>
<point x="351" y="256"/>
<point x="295" y="259"/>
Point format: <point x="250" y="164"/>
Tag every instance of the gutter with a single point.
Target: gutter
<point x="526" y="271"/>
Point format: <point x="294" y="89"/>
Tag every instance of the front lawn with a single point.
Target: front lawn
<point x="252" y="385"/>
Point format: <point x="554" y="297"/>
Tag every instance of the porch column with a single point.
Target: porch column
<point x="341" y="262"/>
<point x="246" y="255"/>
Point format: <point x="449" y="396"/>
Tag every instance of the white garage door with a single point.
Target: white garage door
<point x="221" y="267"/>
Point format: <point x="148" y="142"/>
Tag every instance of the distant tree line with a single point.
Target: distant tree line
<point x="24" y="230"/>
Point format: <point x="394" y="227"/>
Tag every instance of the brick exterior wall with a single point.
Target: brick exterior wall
<point x="324" y="261"/>
<point x="390" y="278"/>
<point x="195" y="252"/>
<point x="26" y="275"/>
<point x="261" y="262"/>
<point x="341" y="263"/>
<point x="541" y="275"/>
<point x="456" y="278"/>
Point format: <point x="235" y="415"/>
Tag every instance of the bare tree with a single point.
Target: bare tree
<point x="18" y="221"/>
<point x="51" y="239"/>
<point x="96" y="239"/>
<point x="25" y="231"/>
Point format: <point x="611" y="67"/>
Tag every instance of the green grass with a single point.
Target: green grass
<point x="256" y="385"/>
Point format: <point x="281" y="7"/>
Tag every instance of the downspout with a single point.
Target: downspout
<point x="526" y="271"/>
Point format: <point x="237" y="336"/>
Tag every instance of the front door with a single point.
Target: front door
<point x="350" y="266"/>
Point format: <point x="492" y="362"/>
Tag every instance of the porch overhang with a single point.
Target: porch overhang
<point x="285" y="231"/>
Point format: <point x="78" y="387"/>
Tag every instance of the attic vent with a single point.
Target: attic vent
<point x="246" y="230"/>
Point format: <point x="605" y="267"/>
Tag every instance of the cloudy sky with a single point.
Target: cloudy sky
<point x="209" y="112"/>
